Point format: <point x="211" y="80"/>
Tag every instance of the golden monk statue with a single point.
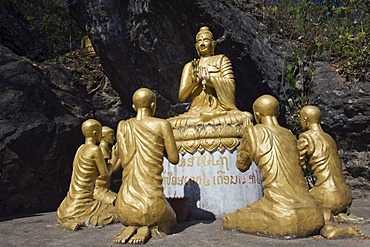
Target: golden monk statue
<point x="286" y="209"/>
<point x="319" y="151"/>
<point x="79" y="208"/>
<point x="209" y="83"/>
<point x="142" y="143"/>
<point x="102" y="191"/>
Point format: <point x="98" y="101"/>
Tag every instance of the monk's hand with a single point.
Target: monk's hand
<point x="114" y="150"/>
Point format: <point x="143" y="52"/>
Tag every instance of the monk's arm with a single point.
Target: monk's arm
<point x="244" y="159"/>
<point x="170" y="144"/>
<point x="304" y="148"/>
<point x="120" y="141"/>
<point x="115" y="161"/>
<point x="187" y="83"/>
<point x="100" y="163"/>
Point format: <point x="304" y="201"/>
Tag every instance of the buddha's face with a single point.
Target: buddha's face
<point x="204" y="45"/>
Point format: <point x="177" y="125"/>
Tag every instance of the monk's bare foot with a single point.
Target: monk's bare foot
<point x="352" y="218"/>
<point x="330" y="231"/>
<point x="156" y="234"/>
<point x="356" y="231"/>
<point x="126" y="233"/>
<point x="141" y="237"/>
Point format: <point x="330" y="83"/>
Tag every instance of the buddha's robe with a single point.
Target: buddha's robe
<point x="287" y="208"/>
<point x="218" y="100"/>
<point x="140" y="200"/>
<point x="79" y="208"/>
<point x="102" y="190"/>
<point x="330" y="189"/>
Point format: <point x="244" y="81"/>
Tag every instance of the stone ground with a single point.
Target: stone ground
<point x="42" y="230"/>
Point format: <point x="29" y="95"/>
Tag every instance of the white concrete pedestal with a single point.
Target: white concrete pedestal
<point x="212" y="183"/>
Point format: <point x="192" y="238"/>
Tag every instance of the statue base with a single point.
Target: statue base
<point x="212" y="183"/>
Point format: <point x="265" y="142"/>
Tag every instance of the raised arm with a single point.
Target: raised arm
<point x="100" y="162"/>
<point x="244" y="158"/>
<point x="170" y="144"/>
<point x="189" y="80"/>
<point x="305" y="148"/>
<point x="120" y="142"/>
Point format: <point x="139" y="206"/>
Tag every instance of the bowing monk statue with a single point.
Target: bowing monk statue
<point x="102" y="190"/>
<point x="142" y="142"/>
<point x="319" y="151"/>
<point x="209" y="83"/>
<point x="287" y="209"/>
<point x="79" y="208"/>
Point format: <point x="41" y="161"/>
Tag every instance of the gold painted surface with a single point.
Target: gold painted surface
<point x="319" y="151"/>
<point x="102" y="190"/>
<point x="191" y="139"/>
<point x="86" y="47"/>
<point x="286" y="209"/>
<point x="142" y="143"/>
<point x="79" y="208"/>
<point x="209" y="83"/>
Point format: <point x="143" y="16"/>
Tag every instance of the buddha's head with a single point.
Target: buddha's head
<point x="204" y="42"/>
<point x="144" y="98"/>
<point x="265" y="106"/>
<point x="91" y="128"/>
<point x="309" y="115"/>
<point x="107" y="135"/>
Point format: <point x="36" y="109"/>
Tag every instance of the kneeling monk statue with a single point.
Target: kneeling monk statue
<point x="142" y="143"/>
<point x="79" y="208"/>
<point x="286" y="210"/>
<point x="320" y="152"/>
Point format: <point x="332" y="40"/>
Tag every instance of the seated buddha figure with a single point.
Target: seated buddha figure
<point x="209" y="82"/>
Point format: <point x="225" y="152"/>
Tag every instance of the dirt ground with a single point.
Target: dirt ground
<point x="42" y="230"/>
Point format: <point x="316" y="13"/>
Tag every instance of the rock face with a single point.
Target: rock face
<point x="35" y="134"/>
<point x="17" y="34"/>
<point x="42" y="111"/>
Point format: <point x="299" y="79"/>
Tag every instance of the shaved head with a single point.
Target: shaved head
<point x="266" y="105"/>
<point x="143" y="98"/>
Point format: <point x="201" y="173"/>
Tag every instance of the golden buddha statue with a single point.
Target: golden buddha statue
<point x="319" y="151"/>
<point x="209" y="83"/>
<point x="79" y="208"/>
<point x="87" y="48"/>
<point x="102" y="191"/>
<point x="142" y="143"/>
<point x="286" y="209"/>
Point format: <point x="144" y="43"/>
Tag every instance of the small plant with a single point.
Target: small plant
<point x="299" y="73"/>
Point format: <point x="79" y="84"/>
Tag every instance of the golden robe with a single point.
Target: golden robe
<point x="140" y="200"/>
<point x="79" y="208"/>
<point x="219" y="98"/>
<point x="330" y="189"/>
<point x="287" y="208"/>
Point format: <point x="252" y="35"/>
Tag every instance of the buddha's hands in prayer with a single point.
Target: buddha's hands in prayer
<point x="196" y="75"/>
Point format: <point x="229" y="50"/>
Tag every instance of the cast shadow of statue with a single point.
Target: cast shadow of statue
<point x="195" y="215"/>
